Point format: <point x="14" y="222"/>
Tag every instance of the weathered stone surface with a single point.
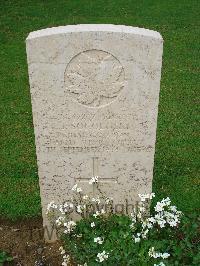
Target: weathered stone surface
<point x="95" y="92"/>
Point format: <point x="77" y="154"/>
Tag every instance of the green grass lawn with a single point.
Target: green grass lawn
<point x="176" y="161"/>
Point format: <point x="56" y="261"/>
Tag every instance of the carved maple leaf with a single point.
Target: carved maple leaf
<point x="95" y="76"/>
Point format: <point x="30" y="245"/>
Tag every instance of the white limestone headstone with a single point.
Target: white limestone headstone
<point x="95" y="93"/>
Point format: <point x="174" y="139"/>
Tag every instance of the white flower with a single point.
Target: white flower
<point x="173" y="208"/>
<point x="71" y="205"/>
<point x="97" y="200"/>
<point x="172" y="223"/>
<point x="144" y="197"/>
<point x="96" y="214"/>
<point x="92" y="224"/>
<point x="98" y="240"/>
<point x="108" y="200"/>
<point x="79" y="209"/>
<point x="69" y="226"/>
<point x="156" y="255"/>
<point x="142" y="209"/>
<point x="160" y="264"/>
<point x="93" y="180"/>
<point x="65" y="205"/>
<point x="152" y="195"/>
<point x="103" y="211"/>
<point x="149" y="225"/>
<point x="61" y="209"/>
<point x="85" y="197"/>
<point x="166" y="201"/>
<point x="151" y="251"/>
<point x="66" y="260"/>
<point x="159" y="207"/>
<point x="102" y="256"/>
<point x="79" y="189"/>
<point x="62" y="251"/>
<point x="165" y="255"/>
<point x="144" y="234"/>
<point x="133" y="216"/>
<point x="50" y="206"/>
<point x="146" y="224"/>
<point x="161" y="223"/>
<point x="60" y="220"/>
<point x="74" y="188"/>
<point x="151" y="220"/>
<point x="137" y="239"/>
<point x="71" y="223"/>
<point x="132" y="225"/>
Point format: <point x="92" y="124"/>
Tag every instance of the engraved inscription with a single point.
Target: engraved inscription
<point x="94" y="78"/>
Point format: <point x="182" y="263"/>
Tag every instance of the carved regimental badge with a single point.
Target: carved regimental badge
<point x="94" y="78"/>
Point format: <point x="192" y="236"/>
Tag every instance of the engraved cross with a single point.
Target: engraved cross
<point x="95" y="172"/>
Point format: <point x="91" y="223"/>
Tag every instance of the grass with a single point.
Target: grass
<point x="176" y="161"/>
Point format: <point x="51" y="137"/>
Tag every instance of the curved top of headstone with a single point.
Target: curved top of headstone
<point x="94" y="27"/>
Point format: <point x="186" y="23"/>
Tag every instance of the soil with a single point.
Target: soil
<point x="24" y="241"/>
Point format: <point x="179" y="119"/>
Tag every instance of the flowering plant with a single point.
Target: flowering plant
<point x="107" y="238"/>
